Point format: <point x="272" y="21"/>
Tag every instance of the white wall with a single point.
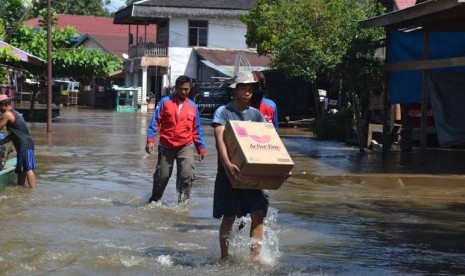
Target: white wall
<point x="178" y="32"/>
<point x="222" y="33"/>
<point x="226" y="34"/>
<point x="229" y="34"/>
<point x="183" y="61"/>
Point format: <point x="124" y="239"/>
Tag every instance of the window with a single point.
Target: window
<point x="198" y="33"/>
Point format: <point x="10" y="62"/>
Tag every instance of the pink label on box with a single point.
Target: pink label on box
<point x="261" y="139"/>
<point x="241" y="131"/>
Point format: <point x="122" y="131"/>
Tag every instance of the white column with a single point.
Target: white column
<point x="143" y="104"/>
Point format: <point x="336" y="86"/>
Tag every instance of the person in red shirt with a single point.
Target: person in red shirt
<point x="266" y="106"/>
<point x="177" y="120"/>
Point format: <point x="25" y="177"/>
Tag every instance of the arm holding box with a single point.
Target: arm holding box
<point x="223" y="152"/>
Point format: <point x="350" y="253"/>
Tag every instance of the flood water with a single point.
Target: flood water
<point x="341" y="213"/>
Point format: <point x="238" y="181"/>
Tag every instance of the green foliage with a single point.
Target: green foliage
<point x="34" y="41"/>
<point x="307" y="37"/>
<point x="80" y="63"/>
<point x="2" y="30"/>
<point x="5" y="58"/>
<point x="314" y="38"/>
<point x="11" y="11"/>
<point x="81" y="7"/>
<point x="77" y="63"/>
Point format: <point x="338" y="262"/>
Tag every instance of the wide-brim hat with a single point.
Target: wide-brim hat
<point x="243" y="77"/>
<point x="4" y="98"/>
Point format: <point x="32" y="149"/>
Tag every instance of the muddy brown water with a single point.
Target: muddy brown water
<point x="341" y="213"/>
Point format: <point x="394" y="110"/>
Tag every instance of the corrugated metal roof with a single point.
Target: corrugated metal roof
<point x="228" y="56"/>
<point x="223" y="60"/>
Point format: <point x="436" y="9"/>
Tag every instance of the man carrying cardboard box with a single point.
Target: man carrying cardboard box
<point x="228" y="202"/>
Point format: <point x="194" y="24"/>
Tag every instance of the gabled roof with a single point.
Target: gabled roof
<point x="111" y="37"/>
<point x="111" y="44"/>
<point x="86" y="24"/>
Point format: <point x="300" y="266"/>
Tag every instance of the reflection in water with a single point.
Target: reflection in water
<point x="341" y="213"/>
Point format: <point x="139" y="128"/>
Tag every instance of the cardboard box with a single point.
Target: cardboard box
<point x="259" y="153"/>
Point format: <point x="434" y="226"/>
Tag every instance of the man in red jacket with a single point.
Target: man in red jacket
<point x="177" y="120"/>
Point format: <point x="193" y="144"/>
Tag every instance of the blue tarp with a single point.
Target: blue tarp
<point x="406" y="86"/>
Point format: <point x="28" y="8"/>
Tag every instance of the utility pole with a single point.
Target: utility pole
<point x="49" y="66"/>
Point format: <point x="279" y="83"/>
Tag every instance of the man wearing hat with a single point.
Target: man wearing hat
<point x="22" y="141"/>
<point x="228" y="202"/>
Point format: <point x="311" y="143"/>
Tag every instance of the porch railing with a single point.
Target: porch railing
<point x="148" y="50"/>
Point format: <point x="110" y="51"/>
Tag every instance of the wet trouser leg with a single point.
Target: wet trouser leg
<point x="163" y="172"/>
<point x="185" y="172"/>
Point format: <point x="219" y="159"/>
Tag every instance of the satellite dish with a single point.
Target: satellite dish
<point x="125" y="56"/>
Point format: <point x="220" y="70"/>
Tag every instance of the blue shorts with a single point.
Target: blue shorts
<point x="25" y="161"/>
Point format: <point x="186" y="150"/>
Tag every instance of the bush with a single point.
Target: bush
<point x="333" y="126"/>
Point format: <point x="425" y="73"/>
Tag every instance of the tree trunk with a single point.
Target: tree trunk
<point x="316" y="99"/>
<point x="358" y="120"/>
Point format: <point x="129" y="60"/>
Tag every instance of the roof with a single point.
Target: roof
<point x="402" y="4"/>
<point x="86" y="24"/>
<point x="228" y="56"/>
<point x="155" y="10"/>
<point x="431" y="15"/>
<point x="22" y="55"/>
<point x="208" y="4"/>
<point x="111" y="37"/>
<point x="223" y="60"/>
<point x="112" y="44"/>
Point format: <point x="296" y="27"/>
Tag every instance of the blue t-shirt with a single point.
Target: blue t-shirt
<point x="228" y="112"/>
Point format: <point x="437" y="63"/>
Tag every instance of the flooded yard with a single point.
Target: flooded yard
<point x="341" y="212"/>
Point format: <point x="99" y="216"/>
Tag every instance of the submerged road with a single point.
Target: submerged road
<point x="341" y="212"/>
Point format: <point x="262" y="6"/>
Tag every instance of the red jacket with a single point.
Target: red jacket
<point x="269" y="111"/>
<point x="176" y="131"/>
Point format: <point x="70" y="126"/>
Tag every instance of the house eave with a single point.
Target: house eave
<point x="426" y="15"/>
<point x="144" y="14"/>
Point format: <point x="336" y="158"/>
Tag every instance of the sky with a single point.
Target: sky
<point x="115" y="5"/>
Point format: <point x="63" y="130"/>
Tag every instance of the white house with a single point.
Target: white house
<point x="191" y="38"/>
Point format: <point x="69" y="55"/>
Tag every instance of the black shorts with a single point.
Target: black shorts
<point x="231" y="202"/>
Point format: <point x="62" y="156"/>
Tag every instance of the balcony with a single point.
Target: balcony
<point x="148" y="50"/>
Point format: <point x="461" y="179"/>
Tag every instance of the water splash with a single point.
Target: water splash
<point x="240" y="242"/>
<point x="131" y="261"/>
<point x="165" y="260"/>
